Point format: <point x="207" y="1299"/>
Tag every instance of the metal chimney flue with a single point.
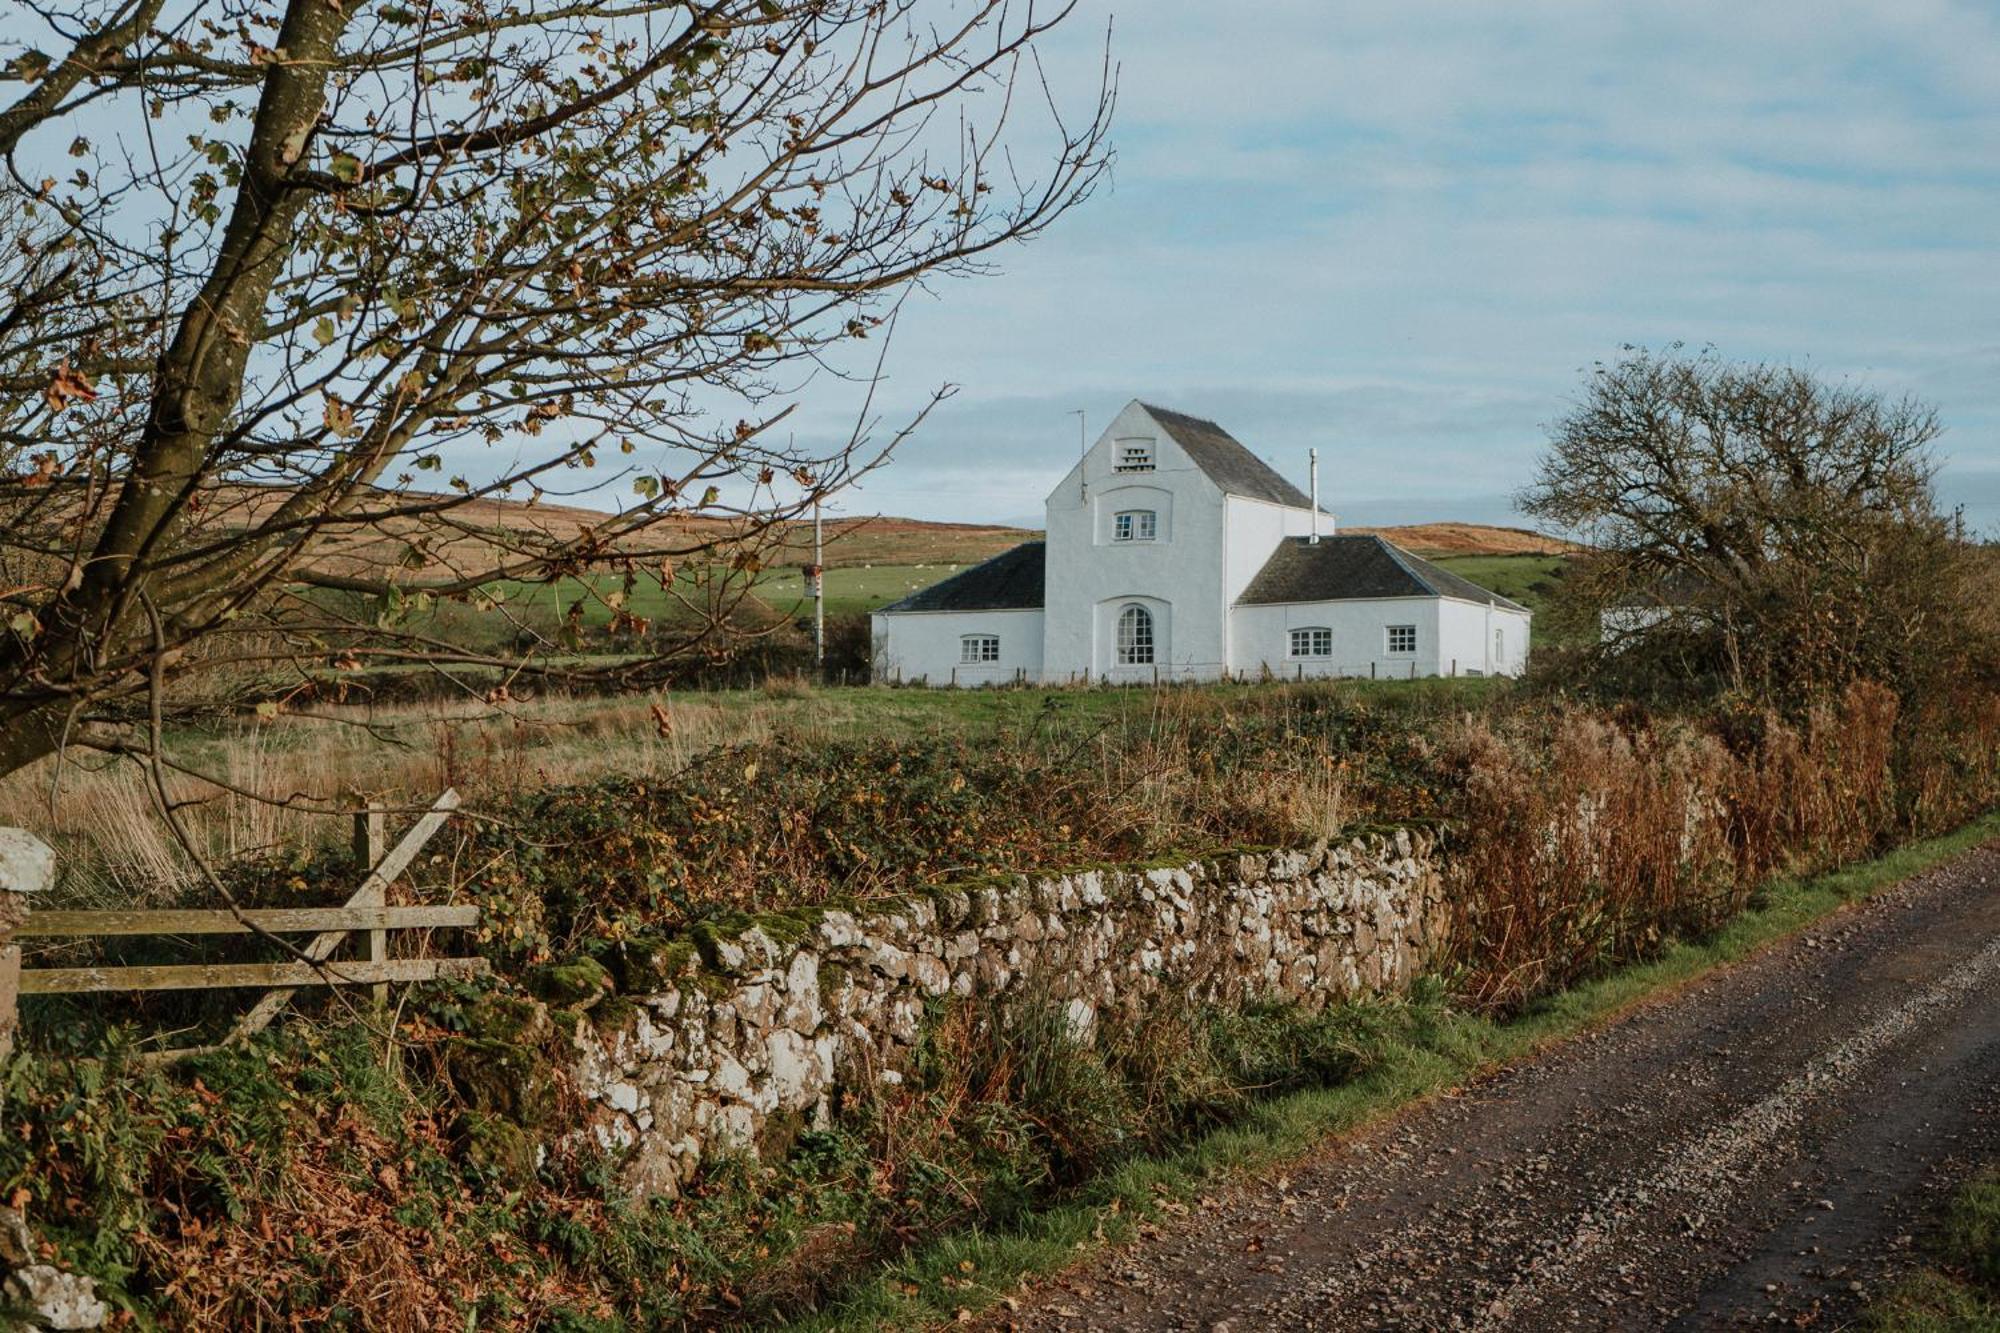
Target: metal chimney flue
<point x="1313" y="454"/>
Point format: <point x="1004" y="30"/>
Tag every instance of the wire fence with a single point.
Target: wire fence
<point x="972" y="676"/>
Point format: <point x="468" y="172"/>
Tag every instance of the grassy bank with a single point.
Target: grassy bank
<point x="1960" y="1291"/>
<point x="99" y="814"/>
<point x="1410" y="1060"/>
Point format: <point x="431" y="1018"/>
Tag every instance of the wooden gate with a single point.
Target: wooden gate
<point x="365" y="911"/>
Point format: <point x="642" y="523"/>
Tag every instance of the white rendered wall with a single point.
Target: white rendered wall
<point x="1252" y="531"/>
<point x="1090" y="579"/>
<point x="914" y="646"/>
<point x="1466" y="642"/>
<point x="1262" y="638"/>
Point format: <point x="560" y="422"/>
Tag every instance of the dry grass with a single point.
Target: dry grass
<point x="1582" y="843"/>
<point x="306" y="772"/>
<point x="1446" y="539"/>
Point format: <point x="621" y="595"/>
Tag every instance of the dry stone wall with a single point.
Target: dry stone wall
<point x="748" y="1031"/>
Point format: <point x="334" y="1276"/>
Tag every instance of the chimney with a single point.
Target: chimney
<point x="1314" y="455"/>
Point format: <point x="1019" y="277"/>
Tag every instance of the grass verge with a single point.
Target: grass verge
<point x="969" y="1271"/>
<point x="1961" y="1292"/>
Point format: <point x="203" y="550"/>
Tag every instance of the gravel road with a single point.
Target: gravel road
<point x="1759" y="1148"/>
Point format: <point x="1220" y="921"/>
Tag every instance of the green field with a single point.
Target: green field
<point x="848" y="591"/>
<point x="855" y="590"/>
<point x="1527" y="579"/>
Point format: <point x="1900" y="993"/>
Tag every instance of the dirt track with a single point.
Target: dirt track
<point x="1759" y="1148"/>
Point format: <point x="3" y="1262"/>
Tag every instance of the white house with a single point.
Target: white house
<point x="1174" y="553"/>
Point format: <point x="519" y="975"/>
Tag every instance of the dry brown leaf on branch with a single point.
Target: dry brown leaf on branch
<point x="68" y="385"/>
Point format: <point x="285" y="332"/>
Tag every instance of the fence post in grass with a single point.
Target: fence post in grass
<point x="370" y="842"/>
<point x="27" y="867"/>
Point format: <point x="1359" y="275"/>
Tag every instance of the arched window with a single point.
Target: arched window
<point x="1135" y="637"/>
<point x="1312" y="641"/>
<point x="1499" y="646"/>
<point x="1135" y="525"/>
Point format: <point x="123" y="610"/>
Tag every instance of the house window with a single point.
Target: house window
<point x="1402" y="638"/>
<point x="1135" y="636"/>
<point x="1135" y="456"/>
<point x="1314" y="641"/>
<point x="1499" y="645"/>
<point x="976" y="648"/>
<point x="1134" y="525"/>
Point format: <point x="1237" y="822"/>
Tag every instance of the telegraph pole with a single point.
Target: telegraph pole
<point x="1082" y="452"/>
<point x="819" y="593"/>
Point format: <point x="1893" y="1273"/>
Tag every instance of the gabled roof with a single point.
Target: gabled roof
<point x="1226" y="461"/>
<point x="1340" y="568"/>
<point x="1010" y="581"/>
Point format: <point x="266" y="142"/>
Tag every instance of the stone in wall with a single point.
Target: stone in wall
<point x="748" y="1040"/>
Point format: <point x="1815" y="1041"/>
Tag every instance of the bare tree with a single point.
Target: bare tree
<point x="1752" y="527"/>
<point x="290" y="286"/>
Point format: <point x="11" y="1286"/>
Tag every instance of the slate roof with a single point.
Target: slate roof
<point x="1226" y="461"/>
<point x="1010" y="581"/>
<point x="1358" y="565"/>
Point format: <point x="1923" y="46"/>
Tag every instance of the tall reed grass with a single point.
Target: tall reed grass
<point x="1579" y="841"/>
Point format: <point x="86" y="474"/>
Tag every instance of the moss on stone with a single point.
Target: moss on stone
<point x="780" y="1131"/>
<point x="614" y="1013"/>
<point x="500" y="1063"/>
<point x="497" y="1016"/>
<point x="791" y="927"/>
<point x="578" y="984"/>
<point x="503" y="1078"/>
<point x="498" y="1147"/>
<point x="712" y="938"/>
<point x="649" y="964"/>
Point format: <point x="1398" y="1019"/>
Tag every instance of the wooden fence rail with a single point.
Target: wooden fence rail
<point x="366" y="913"/>
<point x="276" y="920"/>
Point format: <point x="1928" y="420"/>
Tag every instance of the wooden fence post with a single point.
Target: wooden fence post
<point x="373" y="889"/>
<point x="370" y="842"/>
<point x="27" y="867"/>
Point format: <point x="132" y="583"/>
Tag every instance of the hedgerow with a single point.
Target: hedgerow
<point x="413" y="1169"/>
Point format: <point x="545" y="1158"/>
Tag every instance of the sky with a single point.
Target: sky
<point x="1402" y="232"/>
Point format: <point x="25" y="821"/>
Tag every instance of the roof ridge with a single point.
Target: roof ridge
<point x="1403" y="558"/>
<point x="1233" y="466"/>
<point x="1186" y="416"/>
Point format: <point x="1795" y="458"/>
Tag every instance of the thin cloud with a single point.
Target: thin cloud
<point x="1399" y="232"/>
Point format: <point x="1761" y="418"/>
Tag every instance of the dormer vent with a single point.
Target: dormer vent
<point x="1135" y="456"/>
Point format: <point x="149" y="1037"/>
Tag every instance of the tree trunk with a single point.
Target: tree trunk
<point x="26" y="737"/>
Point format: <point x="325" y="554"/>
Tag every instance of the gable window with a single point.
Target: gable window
<point x="1313" y="641"/>
<point x="1402" y="638"/>
<point x="1135" y="525"/>
<point x="1135" y="637"/>
<point x="974" y="649"/>
<point x="1135" y="456"/>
